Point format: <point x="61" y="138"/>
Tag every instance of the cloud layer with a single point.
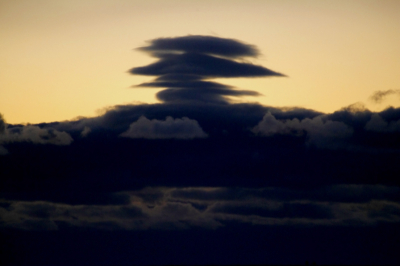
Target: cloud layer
<point x="187" y="208"/>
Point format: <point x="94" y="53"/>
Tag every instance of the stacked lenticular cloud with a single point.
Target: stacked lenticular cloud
<point x="185" y="63"/>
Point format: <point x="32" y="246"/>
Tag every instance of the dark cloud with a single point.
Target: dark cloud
<point x="207" y="93"/>
<point x="378" y="124"/>
<point x="305" y="151"/>
<point x="203" y="45"/>
<point x="187" y="208"/>
<point x="379" y="96"/>
<point x="184" y="63"/>
<point x="171" y="128"/>
<point x="212" y="116"/>
<point x="2" y="124"/>
<point x="334" y="193"/>
<point x="204" y="66"/>
<point x="3" y="151"/>
<point x="47" y="215"/>
<point x="286" y="182"/>
<point x="277" y="210"/>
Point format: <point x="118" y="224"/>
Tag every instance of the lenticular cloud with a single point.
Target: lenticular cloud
<point x="186" y="62"/>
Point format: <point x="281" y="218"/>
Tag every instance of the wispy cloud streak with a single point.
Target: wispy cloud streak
<point x="379" y="96"/>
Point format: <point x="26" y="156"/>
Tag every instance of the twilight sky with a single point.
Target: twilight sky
<point x="188" y="132"/>
<point x="63" y="59"/>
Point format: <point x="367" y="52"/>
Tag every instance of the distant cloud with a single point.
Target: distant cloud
<point x="377" y="124"/>
<point x="185" y="62"/>
<point x="379" y="96"/>
<point x="321" y="132"/>
<point x="171" y="128"/>
<point x="35" y="134"/>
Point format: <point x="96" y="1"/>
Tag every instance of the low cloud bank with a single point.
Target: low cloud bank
<point x="3" y="151"/>
<point x="233" y="145"/>
<point x="378" y="124"/>
<point x="2" y="124"/>
<point x="185" y="208"/>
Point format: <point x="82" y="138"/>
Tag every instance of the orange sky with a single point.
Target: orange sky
<point x="61" y="59"/>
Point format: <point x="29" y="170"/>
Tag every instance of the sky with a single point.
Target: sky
<point x="199" y="133"/>
<point x="64" y="59"/>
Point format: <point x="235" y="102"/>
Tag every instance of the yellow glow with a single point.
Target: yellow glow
<point x="60" y="59"/>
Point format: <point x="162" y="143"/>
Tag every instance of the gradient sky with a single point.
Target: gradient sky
<point x="62" y="59"/>
<point x="214" y="173"/>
